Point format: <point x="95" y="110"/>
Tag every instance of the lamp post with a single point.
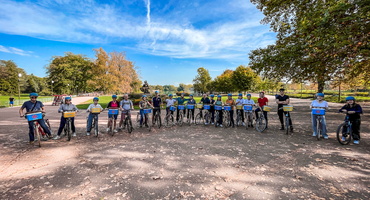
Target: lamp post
<point x="52" y="84"/>
<point x="19" y="88"/>
<point x="68" y="88"/>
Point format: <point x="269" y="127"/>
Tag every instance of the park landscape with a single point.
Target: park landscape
<point x="305" y="47"/>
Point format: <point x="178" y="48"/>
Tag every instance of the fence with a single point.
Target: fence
<point x="18" y="103"/>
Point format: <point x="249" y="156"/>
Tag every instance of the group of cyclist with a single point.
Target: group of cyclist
<point x="351" y="108"/>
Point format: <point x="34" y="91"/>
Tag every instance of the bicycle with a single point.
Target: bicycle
<point x="169" y="119"/>
<point x="39" y="133"/>
<point x="344" y="132"/>
<point x="239" y="113"/>
<point x="68" y="126"/>
<point x="111" y="120"/>
<point x="181" y="109"/>
<point x="146" y="119"/>
<point x="157" y="117"/>
<point x="94" y="125"/>
<point x="287" y="109"/>
<point x="190" y="108"/>
<point x="226" y="116"/>
<point x="248" y="110"/>
<point x="218" y="110"/>
<point x="261" y="123"/>
<point x="320" y="115"/>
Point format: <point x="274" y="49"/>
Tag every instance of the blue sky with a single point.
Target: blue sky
<point x="167" y="39"/>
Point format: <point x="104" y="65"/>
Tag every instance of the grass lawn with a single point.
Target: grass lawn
<point x="4" y="99"/>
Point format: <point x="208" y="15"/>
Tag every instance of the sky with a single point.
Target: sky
<point x="168" y="40"/>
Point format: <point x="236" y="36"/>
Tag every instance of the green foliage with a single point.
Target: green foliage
<point x="243" y="78"/>
<point x="169" y="89"/>
<point x="224" y="82"/>
<point x="202" y="80"/>
<point x="9" y="79"/>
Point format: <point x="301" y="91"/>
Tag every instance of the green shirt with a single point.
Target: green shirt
<point x="181" y="101"/>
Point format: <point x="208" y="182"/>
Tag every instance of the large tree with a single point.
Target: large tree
<point x="316" y="40"/>
<point x="202" y="80"/>
<point x="243" y="78"/>
<point x="223" y="83"/>
<point x="9" y="79"/>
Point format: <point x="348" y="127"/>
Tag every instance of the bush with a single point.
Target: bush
<point x="179" y="94"/>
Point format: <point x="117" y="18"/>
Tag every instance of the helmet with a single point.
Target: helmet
<point x="249" y="95"/>
<point x="156" y="92"/>
<point x="114" y="96"/>
<point x="350" y="98"/>
<point x="170" y="95"/>
<point x="320" y="94"/>
<point x="229" y="95"/>
<point x="263" y="92"/>
<point x="212" y="95"/>
<point x="182" y="93"/>
<point x="190" y="95"/>
<point x="143" y="96"/>
<point x="240" y="94"/>
<point x="95" y="99"/>
<point x="68" y="98"/>
<point x="33" y="94"/>
<point x="219" y="96"/>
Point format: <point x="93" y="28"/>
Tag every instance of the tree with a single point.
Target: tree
<point x="317" y="40"/>
<point x="243" y="78"/>
<point x="181" y="87"/>
<point x="224" y="83"/>
<point x="202" y="80"/>
<point x="9" y="79"/>
<point x="168" y="89"/>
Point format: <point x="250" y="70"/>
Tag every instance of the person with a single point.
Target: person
<point x="170" y="102"/>
<point x="249" y="101"/>
<point x="114" y="104"/>
<point x="239" y="102"/>
<point x="191" y="101"/>
<point x="67" y="106"/>
<point x="353" y="110"/>
<point x="219" y="103"/>
<point x="145" y="87"/>
<point x="11" y="101"/>
<point x="212" y="108"/>
<point x="34" y="105"/>
<point x="319" y="103"/>
<point x="282" y="100"/>
<point x="143" y="104"/>
<point x="125" y="106"/>
<point x="180" y="101"/>
<point x="91" y="115"/>
<point x="204" y="100"/>
<point x="157" y="103"/>
<point x="231" y="102"/>
<point x="262" y="101"/>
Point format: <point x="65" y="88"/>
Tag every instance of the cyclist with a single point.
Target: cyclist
<point x="204" y="100"/>
<point x="319" y="103"/>
<point x="240" y="101"/>
<point x="157" y="102"/>
<point x="115" y="105"/>
<point x="180" y="101"/>
<point x="125" y="105"/>
<point x="11" y="101"/>
<point x="212" y="108"/>
<point x="91" y="116"/>
<point x="282" y="100"/>
<point x="353" y="110"/>
<point x="34" y="105"/>
<point x="219" y="103"/>
<point x="262" y="101"/>
<point x="250" y="102"/>
<point x="191" y="101"/>
<point x="170" y="102"/>
<point x="143" y="104"/>
<point x="67" y="106"/>
<point x="231" y="102"/>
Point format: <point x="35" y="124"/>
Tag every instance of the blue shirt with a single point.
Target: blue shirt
<point x="191" y="101"/>
<point x="156" y="101"/>
<point x="29" y="105"/>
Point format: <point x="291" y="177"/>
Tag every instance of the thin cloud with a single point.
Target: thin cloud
<point x="14" y="50"/>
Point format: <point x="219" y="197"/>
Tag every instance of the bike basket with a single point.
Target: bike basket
<point x="69" y="114"/>
<point x="95" y="110"/>
<point x="239" y="107"/>
<point x="146" y="111"/>
<point x="181" y="107"/>
<point x="218" y="107"/>
<point x="207" y="107"/>
<point x="199" y="105"/>
<point x="248" y="108"/>
<point x="227" y="107"/>
<point x="172" y="108"/>
<point x="113" y="111"/>
<point x="34" y="116"/>
<point x="318" y="111"/>
<point x="190" y="106"/>
<point x="267" y="108"/>
<point x="288" y="108"/>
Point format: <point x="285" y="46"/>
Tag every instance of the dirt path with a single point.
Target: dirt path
<point x="194" y="162"/>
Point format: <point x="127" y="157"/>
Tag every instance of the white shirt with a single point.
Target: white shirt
<point x="170" y="102"/>
<point x="246" y="101"/>
<point x="126" y="104"/>
<point x="323" y="104"/>
<point x="94" y="106"/>
<point x="239" y="101"/>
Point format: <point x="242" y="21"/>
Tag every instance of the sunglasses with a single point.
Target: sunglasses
<point x="68" y="100"/>
<point x="33" y="97"/>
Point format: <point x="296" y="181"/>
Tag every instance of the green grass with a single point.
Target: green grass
<point x="4" y="99"/>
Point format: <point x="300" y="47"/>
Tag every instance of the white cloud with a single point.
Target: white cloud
<point x="173" y="34"/>
<point x="14" y="50"/>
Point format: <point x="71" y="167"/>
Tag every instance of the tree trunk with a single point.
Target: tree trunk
<point x="320" y="86"/>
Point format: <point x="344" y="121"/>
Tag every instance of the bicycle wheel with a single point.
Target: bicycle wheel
<point x="180" y="122"/>
<point x="68" y="129"/>
<point x="261" y="124"/>
<point x="48" y="125"/>
<point x="147" y="122"/>
<point x="238" y="118"/>
<point x="247" y="120"/>
<point x="111" y="128"/>
<point x="287" y="125"/>
<point x="216" y="118"/>
<point x="198" y="119"/>
<point x="96" y="127"/>
<point x="158" y="120"/>
<point x="188" y="120"/>
<point x="318" y="129"/>
<point x="37" y="133"/>
<point x="226" y="119"/>
<point x="138" y="120"/>
<point x="207" y="118"/>
<point x="344" y="132"/>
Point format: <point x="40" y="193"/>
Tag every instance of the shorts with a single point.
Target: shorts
<point x="12" y="102"/>
<point x="110" y="116"/>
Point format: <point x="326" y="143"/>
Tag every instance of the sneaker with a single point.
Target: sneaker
<point x="326" y="137"/>
<point x="213" y="123"/>
<point x="88" y="133"/>
<point x="356" y="142"/>
<point x="314" y="135"/>
<point x="107" y="129"/>
<point x="243" y="124"/>
<point x="206" y="123"/>
<point x="343" y="139"/>
<point x="115" y="130"/>
<point x="252" y="125"/>
<point x="57" y="137"/>
<point x="31" y="142"/>
<point x="221" y="125"/>
<point x="35" y="140"/>
<point x="74" y="134"/>
<point x="282" y="128"/>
